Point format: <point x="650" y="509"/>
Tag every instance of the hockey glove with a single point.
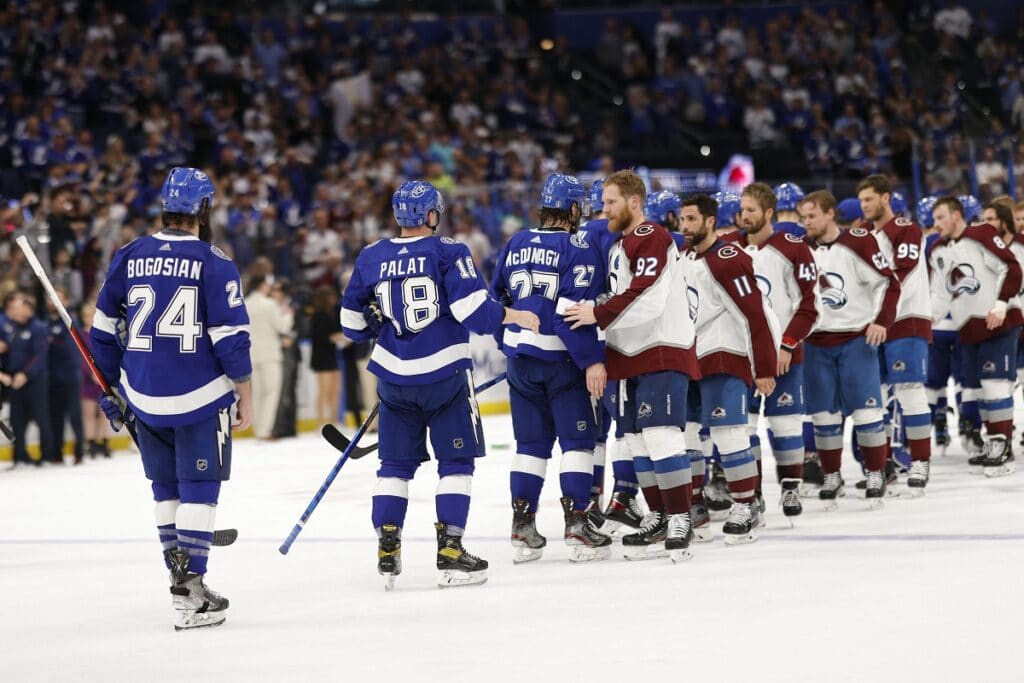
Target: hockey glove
<point x="114" y="407"/>
<point x="374" y="318"/>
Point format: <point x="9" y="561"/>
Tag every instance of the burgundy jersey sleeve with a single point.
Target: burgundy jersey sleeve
<point x="647" y="250"/>
<point x="735" y="275"/>
<point x="906" y="237"/>
<point x="866" y="246"/>
<point x="805" y="272"/>
<point x="987" y="236"/>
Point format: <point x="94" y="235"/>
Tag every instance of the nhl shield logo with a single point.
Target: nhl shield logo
<point x="581" y="426"/>
<point x="645" y="410"/>
<point x="201" y="465"/>
<point x="457" y="443"/>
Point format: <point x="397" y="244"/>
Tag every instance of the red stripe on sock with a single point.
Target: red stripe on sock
<point x="677" y="499"/>
<point x="874" y="457"/>
<point x="920" y="449"/>
<point x="652" y="494"/>
<point x="789" y="471"/>
<point x="1004" y="427"/>
<point x="831" y="459"/>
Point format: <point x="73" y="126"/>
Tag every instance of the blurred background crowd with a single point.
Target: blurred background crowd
<point x="307" y="119"/>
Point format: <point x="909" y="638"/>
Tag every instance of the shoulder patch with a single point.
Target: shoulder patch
<point x="790" y="237"/>
<point x="903" y="222"/>
<point x="578" y="240"/>
<point x="217" y="252"/>
<point x="859" y="232"/>
<point x="448" y="240"/>
<point x="644" y="230"/>
<point x="728" y="251"/>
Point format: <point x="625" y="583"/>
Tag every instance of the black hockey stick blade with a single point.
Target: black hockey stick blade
<point x="341" y="442"/>
<point x="223" y="537"/>
<point x="6" y="429"/>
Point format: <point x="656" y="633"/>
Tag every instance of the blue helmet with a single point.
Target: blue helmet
<point x="596" y="198"/>
<point x="660" y="204"/>
<point x="972" y="207"/>
<point x="561" y="191"/>
<point x="923" y="214"/>
<point x="898" y="204"/>
<point x="849" y="210"/>
<point x="185" y="189"/>
<point x="412" y="202"/>
<point x="788" y="196"/>
<point x="728" y="207"/>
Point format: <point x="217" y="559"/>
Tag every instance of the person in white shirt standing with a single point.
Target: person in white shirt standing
<point x="269" y="322"/>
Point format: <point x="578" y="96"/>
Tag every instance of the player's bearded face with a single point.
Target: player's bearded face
<point x="616" y="209"/>
<point x="752" y="218"/>
<point x="693" y="225"/>
<point x="870" y="205"/>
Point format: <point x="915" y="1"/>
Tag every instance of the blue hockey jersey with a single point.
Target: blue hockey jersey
<point x="791" y="228"/>
<point x="187" y="328"/>
<point x="546" y="271"/>
<point x="431" y="296"/>
<point x="597" y="234"/>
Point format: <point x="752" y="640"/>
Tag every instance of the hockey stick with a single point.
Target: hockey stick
<point x="286" y="546"/>
<point x="6" y="429"/>
<point x="221" y="537"/>
<point x="341" y="442"/>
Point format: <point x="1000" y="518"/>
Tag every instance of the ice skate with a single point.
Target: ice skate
<point x="389" y="554"/>
<point x="622" y="515"/>
<point x="875" y="490"/>
<point x="649" y="542"/>
<point x="196" y="605"/>
<point x="918" y="478"/>
<point x="716" y="493"/>
<point x="700" y="522"/>
<point x="594" y="515"/>
<point x="742" y="525"/>
<point x="942" y="439"/>
<point x="455" y="565"/>
<point x="999" y="460"/>
<point x="678" y="536"/>
<point x="813" y="479"/>
<point x="975" y="447"/>
<point x="527" y="543"/>
<point x="790" y="500"/>
<point x="832" y="490"/>
<point x="585" y="544"/>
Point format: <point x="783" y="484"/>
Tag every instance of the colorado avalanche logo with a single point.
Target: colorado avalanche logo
<point x="833" y="290"/>
<point x="727" y="252"/>
<point x="961" y="280"/>
<point x="765" y="285"/>
<point x="693" y="299"/>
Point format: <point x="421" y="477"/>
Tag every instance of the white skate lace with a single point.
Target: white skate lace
<point x="919" y="469"/>
<point x="650" y="521"/>
<point x="875" y="479"/>
<point x="832" y="482"/>
<point x="678" y="525"/>
<point x="994" y="448"/>
<point x="740" y="513"/>
<point x="635" y="508"/>
<point x="790" y="496"/>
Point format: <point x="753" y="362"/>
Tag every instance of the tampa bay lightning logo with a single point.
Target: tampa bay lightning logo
<point x="961" y="280"/>
<point x="418" y="191"/>
<point x="693" y="299"/>
<point x="833" y="290"/>
<point x="579" y="240"/>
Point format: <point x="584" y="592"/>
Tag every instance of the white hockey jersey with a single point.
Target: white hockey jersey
<point x="902" y="242"/>
<point x="857" y="287"/>
<point x="938" y="259"/>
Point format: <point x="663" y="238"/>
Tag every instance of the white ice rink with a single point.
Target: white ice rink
<point x="926" y="589"/>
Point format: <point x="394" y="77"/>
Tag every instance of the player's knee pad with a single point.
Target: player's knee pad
<point x="455" y="484"/>
<point x="202" y="492"/>
<point x="538" y="449"/>
<point x="620" y="451"/>
<point x="968" y="394"/>
<point x="826" y="419"/>
<point x="664" y="442"/>
<point x="166" y="510"/>
<point x="456" y="467"/>
<point x="165" y="490"/>
<point x="636" y="446"/>
<point x="692" y="436"/>
<point x="730" y="439"/>
<point x="398" y="469"/>
<point x="391" y="486"/>
<point x="866" y="416"/>
<point x="996" y="389"/>
<point x="196" y="516"/>
<point x="576" y="461"/>
<point x="752" y="423"/>
<point x="787" y="425"/>
<point x="912" y="397"/>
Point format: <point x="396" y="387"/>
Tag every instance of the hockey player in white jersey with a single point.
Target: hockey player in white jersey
<point x="904" y="355"/>
<point x="786" y="274"/>
<point x="859" y="293"/>
<point x="982" y="279"/>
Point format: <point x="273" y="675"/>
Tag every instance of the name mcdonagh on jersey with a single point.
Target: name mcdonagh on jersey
<point x="165" y="265"/>
<point x="544" y="257"/>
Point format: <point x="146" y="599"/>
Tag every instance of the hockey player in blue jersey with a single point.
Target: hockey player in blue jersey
<point x="623" y="511"/>
<point x="556" y="375"/>
<point x="182" y="365"/>
<point x="787" y="219"/>
<point x="663" y="208"/>
<point x="420" y="296"/>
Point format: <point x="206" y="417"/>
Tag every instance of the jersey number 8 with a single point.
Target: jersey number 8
<point x="419" y="303"/>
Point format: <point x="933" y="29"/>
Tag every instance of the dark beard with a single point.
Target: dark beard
<point x="618" y="224"/>
<point x="754" y="229"/>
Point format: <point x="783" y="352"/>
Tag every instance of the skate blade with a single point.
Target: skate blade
<point x="875" y="504"/>
<point x="644" y="552"/>
<point x="703" y="534"/>
<point x="451" y="578"/>
<point x="741" y="539"/>
<point x="891" y="492"/>
<point x="389" y="582"/>
<point x="523" y="554"/>
<point x="681" y="555"/>
<point x="1001" y="470"/>
<point x="187" y="621"/>
<point x="583" y="553"/>
<point x="976" y="469"/>
<point x="916" y="491"/>
<point x="831" y="505"/>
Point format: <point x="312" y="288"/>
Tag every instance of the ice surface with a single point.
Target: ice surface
<point x="927" y="589"/>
